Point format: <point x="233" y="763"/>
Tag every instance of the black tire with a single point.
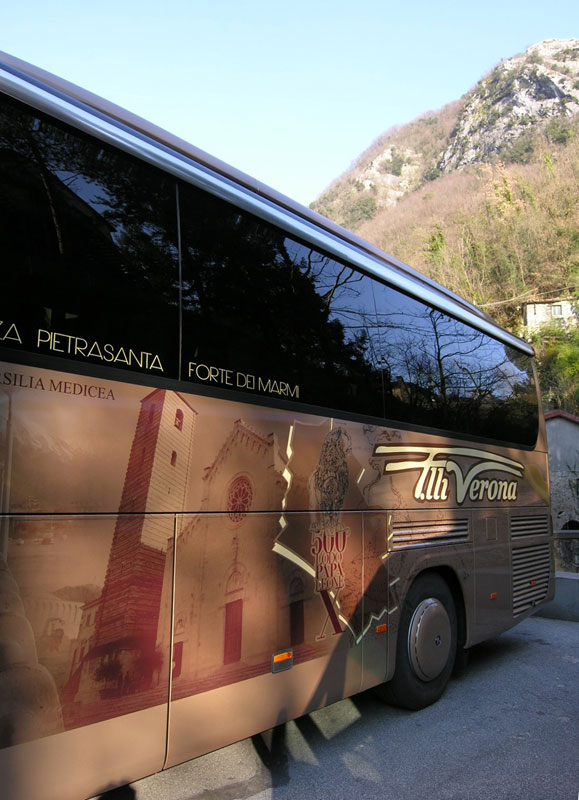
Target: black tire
<point x="426" y="645"/>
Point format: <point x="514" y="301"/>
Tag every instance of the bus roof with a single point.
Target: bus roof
<point x="110" y="122"/>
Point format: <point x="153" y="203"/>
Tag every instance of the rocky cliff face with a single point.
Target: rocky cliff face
<point x="525" y="91"/>
<point x="496" y="120"/>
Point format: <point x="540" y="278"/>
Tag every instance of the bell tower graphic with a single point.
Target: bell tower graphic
<point x="155" y="489"/>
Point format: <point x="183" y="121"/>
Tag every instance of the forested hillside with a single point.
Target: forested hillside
<point x="483" y="196"/>
<point x="496" y="233"/>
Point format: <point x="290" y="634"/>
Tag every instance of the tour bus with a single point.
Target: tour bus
<point x="249" y="464"/>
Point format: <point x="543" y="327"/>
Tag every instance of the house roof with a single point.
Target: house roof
<point x="562" y="414"/>
<point x="548" y="302"/>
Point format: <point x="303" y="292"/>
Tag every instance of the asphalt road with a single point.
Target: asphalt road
<point x="508" y="728"/>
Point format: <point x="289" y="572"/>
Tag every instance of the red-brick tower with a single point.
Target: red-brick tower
<point x="155" y="489"/>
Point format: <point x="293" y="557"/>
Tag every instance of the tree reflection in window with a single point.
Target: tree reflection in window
<point x="443" y="373"/>
<point x="259" y="301"/>
<point x="90" y="236"/>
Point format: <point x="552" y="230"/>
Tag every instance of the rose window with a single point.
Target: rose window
<point x="239" y="499"/>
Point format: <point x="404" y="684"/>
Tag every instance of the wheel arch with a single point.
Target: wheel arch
<point x="451" y="578"/>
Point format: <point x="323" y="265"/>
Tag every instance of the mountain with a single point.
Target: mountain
<point x="482" y="197"/>
<point x="496" y="121"/>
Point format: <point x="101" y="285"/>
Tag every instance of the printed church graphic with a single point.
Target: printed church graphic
<point x="209" y="566"/>
<point x="242" y="583"/>
<point x="234" y="600"/>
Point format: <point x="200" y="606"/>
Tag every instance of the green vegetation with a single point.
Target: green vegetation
<point x="522" y="149"/>
<point x="358" y="209"/>
<point x="557" y="353"/>
<point x="559" y="130"/>
<point x="394" y="167"/>
<point x="431" y="173"/>
<point x="533" y="58"/>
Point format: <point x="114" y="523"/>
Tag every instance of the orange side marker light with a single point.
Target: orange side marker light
<point x="494" y="595"/>
<point x="381" y="628"/>
<point x="278" y="657"/>
<point x="282" y="660"/>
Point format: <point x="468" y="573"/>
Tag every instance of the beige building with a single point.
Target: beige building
<point x="539" y="313"/>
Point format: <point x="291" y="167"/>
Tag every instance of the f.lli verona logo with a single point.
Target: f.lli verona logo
<point x="437" y="465"/>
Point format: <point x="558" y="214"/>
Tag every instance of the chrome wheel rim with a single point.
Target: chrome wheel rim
<point x="429" y="639"/>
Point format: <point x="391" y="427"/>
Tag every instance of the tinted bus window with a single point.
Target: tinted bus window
<point x="268" y="315"/>
<point x="442" y="373"/>
<point x="87" y="235"/>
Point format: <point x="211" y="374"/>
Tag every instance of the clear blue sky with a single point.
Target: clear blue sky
<point x="290" y="92"/>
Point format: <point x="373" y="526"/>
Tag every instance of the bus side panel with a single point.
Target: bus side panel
<point x="83" y="679"/>
<point x="249" y="587"/>
<point x="86" y="761"/>
<point x="492" y="574"/>
<point x="377" y="599"/>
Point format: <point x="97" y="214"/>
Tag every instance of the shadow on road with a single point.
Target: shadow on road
<point x="275" y="748"/>
<point x="493" y="653"/>
<point x="275" y="752"/>
<point x="275" y="757"/>
<point x="120" y="793"/>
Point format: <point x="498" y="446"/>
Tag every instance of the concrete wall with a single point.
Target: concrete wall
<point x="563" y="442"/>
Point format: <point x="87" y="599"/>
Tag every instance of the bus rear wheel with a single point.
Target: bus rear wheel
<point x="426" y="646"/>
